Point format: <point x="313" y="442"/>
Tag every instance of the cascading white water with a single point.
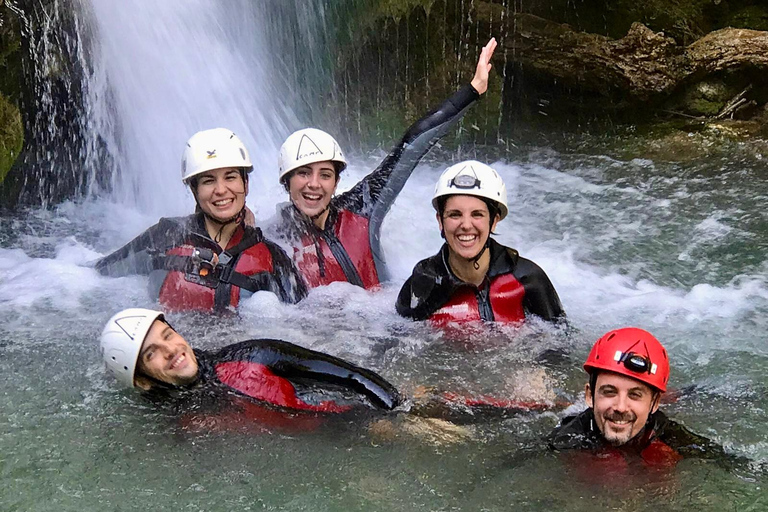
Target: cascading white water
<point x="164" y="70"/>
<point x="677" y="249"/>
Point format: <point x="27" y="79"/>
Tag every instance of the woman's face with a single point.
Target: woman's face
<point x="311" y="187"/>
<point x="466" y="224"/>
<point x="221" y="193"/>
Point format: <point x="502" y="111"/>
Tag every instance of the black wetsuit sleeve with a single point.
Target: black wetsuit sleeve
<point x="138" y="255"/>
<point x="540" y="296"/>
<point x="284" y="280"/>
<point x="377" y="191"/>
<point x="296" y="363"/>
<point x="426" y="291"/>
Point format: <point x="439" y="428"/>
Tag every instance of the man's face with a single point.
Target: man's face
<point x="621" y="405"/>
<point x="166" y="356"/>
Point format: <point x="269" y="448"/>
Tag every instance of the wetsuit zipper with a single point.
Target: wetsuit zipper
<point x="484" y="302"/>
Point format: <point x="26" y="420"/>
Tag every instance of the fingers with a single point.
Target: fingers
<point x="480" y="80"/>
<point x="489" y="48"/>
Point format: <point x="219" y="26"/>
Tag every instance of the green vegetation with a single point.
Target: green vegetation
<point x="11" y="135"/>
<point x="11" y="128"/>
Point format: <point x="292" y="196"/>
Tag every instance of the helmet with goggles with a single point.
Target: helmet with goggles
<point x="631" y="352"/>
<point x="472" y="178"/>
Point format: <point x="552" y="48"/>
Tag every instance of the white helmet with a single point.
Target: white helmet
<point x="121" y="341"/>
<point x="472" y="178"/>
<point x="213" y="149"/>
<point x="308" y="146"/>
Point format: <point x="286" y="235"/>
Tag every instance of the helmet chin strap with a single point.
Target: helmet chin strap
<point x="314" y="217"/>
<point x="224" y="223"/>
<point x="476" y="260"/>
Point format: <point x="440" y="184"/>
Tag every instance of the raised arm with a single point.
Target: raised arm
<point x="378" y="190"/>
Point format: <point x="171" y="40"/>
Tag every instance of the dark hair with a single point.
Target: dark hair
<point x="193" y="181"/>
<point x="337" y="166"/>
<point x="493" y="208"/>
<point x="593" y="384"/>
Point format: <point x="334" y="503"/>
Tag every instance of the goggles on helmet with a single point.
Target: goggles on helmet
<point x="464" y="181"/>
<point x="635" y="362"/>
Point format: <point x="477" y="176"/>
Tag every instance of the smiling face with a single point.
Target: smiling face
<point x="621" y="405"/>
<point x="166" y="356"/>
<point x="221" y="193"/>
<point x="466" y="224"/>
<point x="311" y="187"/>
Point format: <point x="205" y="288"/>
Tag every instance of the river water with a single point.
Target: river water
<point x="678" y="249"/>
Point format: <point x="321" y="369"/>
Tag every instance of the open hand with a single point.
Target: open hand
<point x="480" y="80"/>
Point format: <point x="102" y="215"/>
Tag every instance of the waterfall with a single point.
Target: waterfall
<point x="164" y="70"/>
<point x="120" y="85"/>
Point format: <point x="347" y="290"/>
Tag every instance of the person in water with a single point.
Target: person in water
<point x="628" y="374"/>
<point x="266" y="382"/>
<point x="212" y="259"/>
<point x="336" y="238"/>
<point x="143" y="351"/>
<point x="473" y="277"/>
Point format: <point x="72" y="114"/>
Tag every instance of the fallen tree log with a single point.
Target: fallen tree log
<point x="644" y="64"/>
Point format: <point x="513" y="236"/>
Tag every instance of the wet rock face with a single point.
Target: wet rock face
<point x="706" y="98"/>
<point x="11" y="128"/>
<point x="11" y="135"/>
<point x="752" y="16"/>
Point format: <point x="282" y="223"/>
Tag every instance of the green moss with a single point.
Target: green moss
<point x="753" y="17"/>
<point x="11" y="135"/>
<point x="399" y="8"/>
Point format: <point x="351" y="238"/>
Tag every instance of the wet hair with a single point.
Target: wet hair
<point x="137" y="370"/>
<point x="193" y="181"/>
<point x="593" y="384"/>
<point x="493" y="207"/>
<point x="337" y="166"/>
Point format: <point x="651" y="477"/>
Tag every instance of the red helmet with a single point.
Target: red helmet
<point x="631" y="352"/>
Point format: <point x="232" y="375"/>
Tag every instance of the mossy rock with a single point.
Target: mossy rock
<point x="752" y="17"/>
<point x="11" y="135"/>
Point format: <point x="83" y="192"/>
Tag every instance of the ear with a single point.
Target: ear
<point x="142" y="382"/>
<point x="588" y="396"/>
<point x="335" y="186"/>
<point x="440" y="224"/>
<point x="495" y="221"/>
<point x="655" y="403"/>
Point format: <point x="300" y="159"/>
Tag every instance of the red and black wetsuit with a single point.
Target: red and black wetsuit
<point x="249" y="264"/>
<point x="661" y="443"/>
<point x="513" y="288"/>
<point x="267" y="383"/>
<point x="348" y="248"/>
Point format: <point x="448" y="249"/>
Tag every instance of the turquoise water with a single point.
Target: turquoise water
<point x="676" y="249"/>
